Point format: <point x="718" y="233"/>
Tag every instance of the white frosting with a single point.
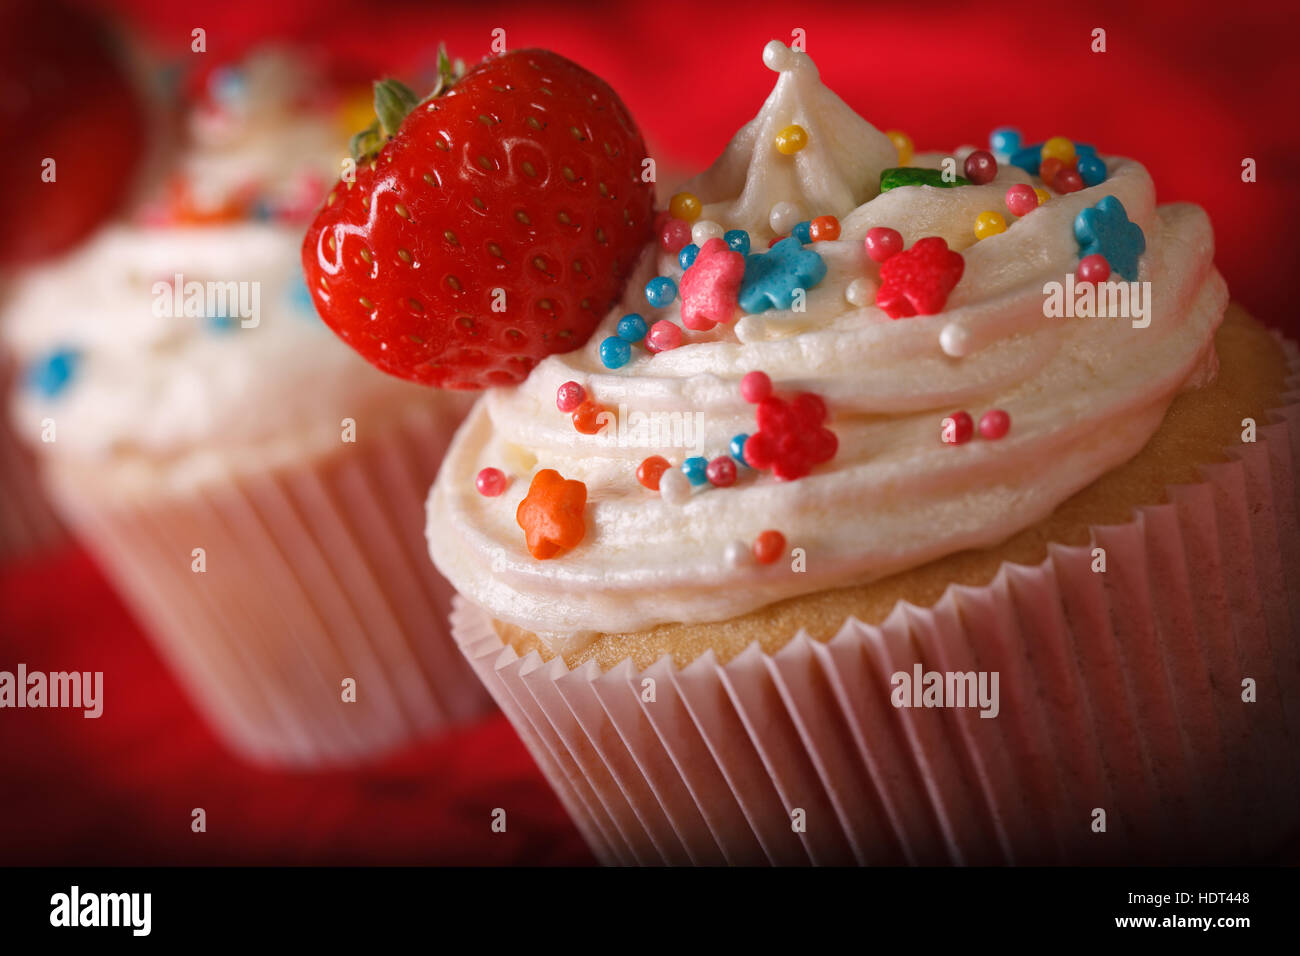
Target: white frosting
<point x="157" y="386"/>
<point x="1084" y="395"/>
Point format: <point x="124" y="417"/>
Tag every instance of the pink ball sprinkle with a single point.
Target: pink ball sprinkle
<point x="959" y="431"/>
<point x="1093" y="268"/>
<point x="663" y="336"/>
<point x="755" y="387"/>
<point x="883" y="242"/>
<point x="490" y="482"/>
<point x="721" y="472"/>
<point x="994" y="424"/>
<point x="1021" y="200"/>
<point x="675" y="235"/>
<point x="569" y="396"/>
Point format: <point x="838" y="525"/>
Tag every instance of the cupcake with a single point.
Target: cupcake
<point x="253" y="489"/>
<point x="929" y="509"/>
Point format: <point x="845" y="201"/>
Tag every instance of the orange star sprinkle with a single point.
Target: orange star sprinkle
<point x="551" y="514"/>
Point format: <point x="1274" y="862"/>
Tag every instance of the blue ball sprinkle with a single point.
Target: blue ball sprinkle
<point x="696" y="470"/>
<point x="803" y="232"/>
<point x="51" y="375"/>
<point x="614" y="352"/>
<point x="220" y="322"/>
<point x="631" y="328"/>
<point x="1005" y="140"/>
<point x="687" y="256"/>
<point x="300" y="296"/>
<point x="738" y="239"/>
<point x="737" y="448"/>
<point x="1091" y="170"/>
<point x="660" y="291"/>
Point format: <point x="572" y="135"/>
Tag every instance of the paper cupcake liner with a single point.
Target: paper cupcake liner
<point x="1120" y="692"/>
<point x="27" y="522"/>
<point x="314" y="574"/>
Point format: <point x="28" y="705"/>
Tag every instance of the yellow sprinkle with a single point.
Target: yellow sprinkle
<point x="1042" y="194"/>
<point x="685" y="206"/>
<point x="1058" y="147"/>
<point x="903" y="143"/>
<point x="989" y="223"/>
<point x="791" y="139"/>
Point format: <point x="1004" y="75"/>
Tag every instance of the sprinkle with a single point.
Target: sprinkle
<point x="737" y="447"/>
<point x="989" y="223"/>
<point x="957" y="429"/>
<point x="651" y="470"/>
<point x="1042" y="194"/>
<point x="721" y="472"/>
<point x="791" y="139"/>
<point x="755" y="386"/>
<point x="994" y="424"/>
<point x="882" y="242"/>
<point x="1093" y="268"/>
<point x="704" y="230"/>
<point x="824" y="229"/>
<point x="660" y="292"/>
<point x="791" y="438"/>
<point x="52" y="374"/>
<point x="1092" y="170"/>
<point x="860" y="292"/>
<point x="954" y="340"/>
<point x="1028" y="158"/>
<point x="551" y="515"/>
<point x="685" y="206"/>
<point x="802" y="231"/>
<point x="686" y="257"/>
<point x="980" y="167"/>
<point x="695" y="469"/>
<point x="674" y="234"/>
<point x="674" y="487"/>
<point x="916" y="176"/>
<point x="1004" y="140"/>
<point x="490" y="482"/>
<point x="569" y="396"/>
<point x="1021" y="200"/>
<point x="1068" y="181"/>
<point x="769" y="546"/>
<point x="737" y="239"/>
<point x="918" y="281"/>
<point x="586" y="417"/>
<point x="614" y="352"/>
<point x="772" y="279"/>
<point x="783" y="217"/>
<point x="664" y="336"/>
<point x="710" y="287"/>
<point x="737" y="555"/>
<point x="1058" y="147"/>
<point x="903" y="143"/>
<point x="631" y="328"/>
<point x="1105" y="229"/>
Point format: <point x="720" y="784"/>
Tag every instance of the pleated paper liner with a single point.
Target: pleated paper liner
<point x="1122" y="734"/>
<point x="313" y="574"/>
<point x="27" y="521"/>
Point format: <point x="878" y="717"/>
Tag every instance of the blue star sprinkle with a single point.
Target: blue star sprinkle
<point x="1105" y="230"/>
<point x="52" y="374"/>
<point x="772" y="277"/>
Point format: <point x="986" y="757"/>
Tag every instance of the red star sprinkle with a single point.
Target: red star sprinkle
<point x="917" y="282"/>
<point x="790" y="439"/>
<point x="710" y="286"/>
<point x="551" y="514"/>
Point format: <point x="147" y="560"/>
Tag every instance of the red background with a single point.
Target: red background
<point x="1188" y="91"/>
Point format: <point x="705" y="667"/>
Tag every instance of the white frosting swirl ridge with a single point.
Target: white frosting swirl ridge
<point x="1083" y="394"/>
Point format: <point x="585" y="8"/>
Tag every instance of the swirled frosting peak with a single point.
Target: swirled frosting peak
<point x="908" y="479"/>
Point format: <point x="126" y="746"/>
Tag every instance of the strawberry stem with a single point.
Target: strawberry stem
<point x="393" y="100"/>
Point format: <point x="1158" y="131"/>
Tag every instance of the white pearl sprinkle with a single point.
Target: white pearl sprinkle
<point x="784" y="217"/>
<point x="737" y="554"/>
<point x="674" y="487"/>
<point x="955" y="340"/>
<point x="861" y="292"/>
<point x="704" y="230"/>
<point x="778" y="57"/>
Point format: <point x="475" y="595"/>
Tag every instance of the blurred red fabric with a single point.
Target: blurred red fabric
<point x="1190" y="90"/>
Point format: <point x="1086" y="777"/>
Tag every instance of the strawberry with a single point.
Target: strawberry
<point x="64" y="96"/>
<point x="489" y="225"/>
